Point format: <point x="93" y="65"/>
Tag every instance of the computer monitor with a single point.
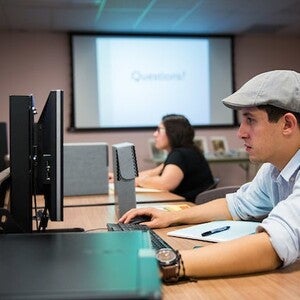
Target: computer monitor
<point x="36" y="159"/>
<point x="49" y="175"/>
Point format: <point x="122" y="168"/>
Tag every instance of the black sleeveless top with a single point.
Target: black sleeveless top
<point x="197" y="174"/>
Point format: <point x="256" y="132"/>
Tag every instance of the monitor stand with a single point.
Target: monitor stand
<point x="44" y="222"/>
<point x="9" y="225"/>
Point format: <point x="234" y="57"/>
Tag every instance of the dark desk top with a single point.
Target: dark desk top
<point x="78" y="266"/>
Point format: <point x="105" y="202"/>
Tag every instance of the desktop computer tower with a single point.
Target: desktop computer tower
<point x="125" y="170"/>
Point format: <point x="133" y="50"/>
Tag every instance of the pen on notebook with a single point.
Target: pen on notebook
<point x="213" y="231"/>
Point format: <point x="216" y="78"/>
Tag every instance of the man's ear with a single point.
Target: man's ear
<point x="289" y="123"/>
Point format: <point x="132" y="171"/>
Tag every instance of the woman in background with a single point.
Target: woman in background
<point x="185" y="171"/>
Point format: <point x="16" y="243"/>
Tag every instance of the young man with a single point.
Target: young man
<point x="270" y="129"/>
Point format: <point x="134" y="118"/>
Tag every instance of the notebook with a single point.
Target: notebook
<point x="108" y="265"/>
<point x="236" y="229"/>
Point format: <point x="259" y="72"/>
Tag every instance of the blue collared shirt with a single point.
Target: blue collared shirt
<point x="273" y="197"/>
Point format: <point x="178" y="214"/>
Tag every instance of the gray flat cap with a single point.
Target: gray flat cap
<point x="280" y="88"/>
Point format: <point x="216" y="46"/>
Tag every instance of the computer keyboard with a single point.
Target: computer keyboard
<point x="156" y="240"/>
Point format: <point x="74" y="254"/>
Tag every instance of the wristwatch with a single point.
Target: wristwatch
<point x="169" y="264"/>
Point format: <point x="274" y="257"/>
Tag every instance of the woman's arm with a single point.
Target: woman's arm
<point x="152" y="172"/>
<point x="168" y="179"/>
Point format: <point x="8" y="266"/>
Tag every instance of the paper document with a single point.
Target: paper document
<point x="147" y="190"/>
<point x="137" y="189"/>
<point x="217" y="231"/>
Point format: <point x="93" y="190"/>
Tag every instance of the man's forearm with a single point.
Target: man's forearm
<point x="210" y="211"/>
<point x="250" y="254"/>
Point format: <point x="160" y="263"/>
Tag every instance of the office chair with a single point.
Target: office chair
<point x="215" y="193"/>
<point x="214" y="185"/>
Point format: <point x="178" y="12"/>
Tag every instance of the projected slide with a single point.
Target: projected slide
<point x="136" y="76"/>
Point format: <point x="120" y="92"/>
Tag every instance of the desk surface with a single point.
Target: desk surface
<point x="282" y="284"/>
<point x="110" y="198"/>
<point x="77" y="266"/>
<point x="94" y="218"/>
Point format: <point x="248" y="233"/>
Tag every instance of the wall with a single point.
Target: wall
<point x="34" y="63"/>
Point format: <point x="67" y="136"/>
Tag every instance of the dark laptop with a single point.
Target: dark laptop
<point x="108" y="265"/>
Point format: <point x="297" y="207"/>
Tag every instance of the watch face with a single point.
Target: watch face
<point x="166" y="256"/>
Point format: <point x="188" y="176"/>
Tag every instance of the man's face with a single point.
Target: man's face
<point x="262" y="139"/>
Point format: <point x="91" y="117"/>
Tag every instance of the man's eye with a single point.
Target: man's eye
<point x="250" y="120"/>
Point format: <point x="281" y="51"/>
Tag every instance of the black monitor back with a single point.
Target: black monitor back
<point x="36" y="162"/>
<point x="21" y="164"/>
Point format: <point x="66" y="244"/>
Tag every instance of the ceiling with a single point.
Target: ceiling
<point x="154" y="16"/>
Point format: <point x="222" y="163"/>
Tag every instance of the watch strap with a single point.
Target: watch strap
<point x="170" y="274"/>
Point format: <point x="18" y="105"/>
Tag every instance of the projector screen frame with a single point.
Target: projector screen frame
<point x="74" y="128"/>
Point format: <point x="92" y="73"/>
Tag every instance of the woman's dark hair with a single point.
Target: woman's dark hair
<point x="179" y="131"/>
<point x="275" y="113"/>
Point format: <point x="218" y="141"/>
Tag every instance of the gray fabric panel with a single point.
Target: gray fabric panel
<point x="85" y="169"/>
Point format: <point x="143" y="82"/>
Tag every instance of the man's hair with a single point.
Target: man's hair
<point x="275" y="113"/>
<point x="179" y="131"/>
